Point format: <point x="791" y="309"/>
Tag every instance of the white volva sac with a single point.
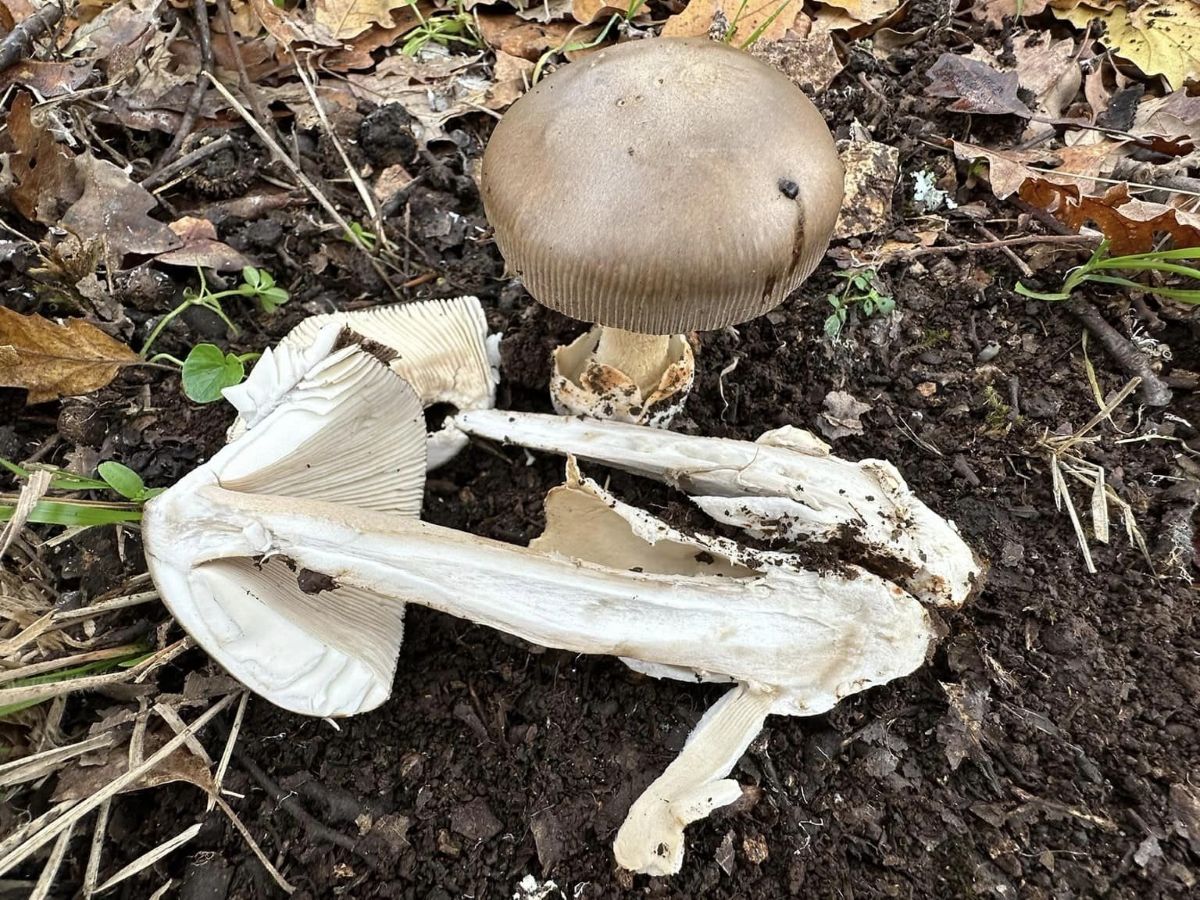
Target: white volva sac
<point x="289" y="557"/>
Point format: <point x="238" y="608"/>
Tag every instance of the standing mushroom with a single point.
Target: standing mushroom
<point x="653" y="188"/>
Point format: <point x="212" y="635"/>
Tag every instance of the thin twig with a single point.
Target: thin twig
<point x="359" y="185"/>
<point x="292" y="166"/>
<point x="288" y="803"/>
<point x="1127" y="356"/>
<point x="192" y="111"/>
<point x="18" y="43"/>
<point x="235" y="47"/>
<point x="169" y="171"/>
<point x="1006" y="248"/>
<point x="49" y="832"/>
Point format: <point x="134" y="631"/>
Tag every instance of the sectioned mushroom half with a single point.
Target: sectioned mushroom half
<point x="440" y="347"/>
<point x="290" y="554"/>
<point x="658" y="187"/>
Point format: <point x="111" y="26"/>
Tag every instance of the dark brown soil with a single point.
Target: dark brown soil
<point x="1048" y="751"/>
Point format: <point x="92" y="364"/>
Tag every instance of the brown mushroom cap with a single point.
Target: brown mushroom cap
<point x="663" y="185"/>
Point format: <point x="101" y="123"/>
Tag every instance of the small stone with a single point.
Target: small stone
<point x="446" y="845"/>
<point x="475" y="821"/>
<point x="989" y="352"/>
<point x="755" y="849"/>
<point x="927" y="388"/>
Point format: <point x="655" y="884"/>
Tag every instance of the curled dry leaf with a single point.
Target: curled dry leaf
<point x="113" y="206"/>
<point x="1160" y="37"/>
<point x="1049" y="71"/>
<point x="746" y="17"/>
<point x="201" y="247"/>
<point x="1173" y="120"/>
<point x="1132" y="226"/>
<point x="50" y="360"/>
<point x="512" y="76"/>
<point x="871" y="172"/>
<point x="842" y="416"/>
<point x="975" y="87"/>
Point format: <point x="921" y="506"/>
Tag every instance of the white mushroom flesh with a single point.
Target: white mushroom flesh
<point x="786" y="484"/>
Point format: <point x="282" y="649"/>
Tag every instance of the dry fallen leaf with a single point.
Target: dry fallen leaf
<point x="49" y="79"/>
<point x="994" y="12"/>
<point x="80" y="781"/>
<point x="745" y="17"/>
<point x="201" y="247"/>
<point x="585" y="12"/>
<point x="810" y="62"/>
<point x="512" y="76"/>
<point x="345" y="19"/>
<point x="543" y="10"/>
<point x="841" y="416"/>
<point x="1132" y="226"/>
<point x="43" y="171"/>
<point x="871" y="172"/>
<point x="1049" y="70"/>
<point x="51" y="360"/>
<point x="865" y="11"/>
<point x="1160" y="37"/>
<point x="529" y="40"/>
<point x="116" y="208"/>
<point x="975" y="87"/>
<point x="1174" y="118"/>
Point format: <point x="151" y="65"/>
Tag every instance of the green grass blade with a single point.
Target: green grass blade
<point x="74" y="512"/>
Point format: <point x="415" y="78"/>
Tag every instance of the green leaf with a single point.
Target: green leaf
<point x="122" y="479"/>
<point x="885" y="304"/>
<point x="252" y="277"/>
<point x="833" y="325"/>
<point x="207" y="371"/>
<point x="272" y="298"/>
<point x="1036" y="295"/>
<point x="76" y="512"/>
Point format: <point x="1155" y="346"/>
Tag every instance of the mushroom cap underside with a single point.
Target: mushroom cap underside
<point x="663" y="185"/>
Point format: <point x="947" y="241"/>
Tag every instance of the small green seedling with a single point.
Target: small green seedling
<point x="861" y="292"/>
<point x="457" y="27"/>
<point x="1162" y="262"/>
<point x="256" y="283"/>
<point x="208" y="370"/>
<point x="365" y="237"/>
<point x="114" y="476"/>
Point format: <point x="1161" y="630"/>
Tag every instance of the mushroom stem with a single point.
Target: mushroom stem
<point x="815" y="636"/>
<point x="642" y="357"/>
<point x="693" y="785"/>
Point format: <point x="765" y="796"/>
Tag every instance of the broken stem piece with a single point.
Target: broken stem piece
<point x="786" y="484"/>
<point x="693" y="785"/>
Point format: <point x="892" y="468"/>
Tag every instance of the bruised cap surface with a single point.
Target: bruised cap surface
<point x="663" y="185"/>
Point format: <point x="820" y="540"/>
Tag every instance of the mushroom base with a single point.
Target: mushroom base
<point x="582" y="385"/>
